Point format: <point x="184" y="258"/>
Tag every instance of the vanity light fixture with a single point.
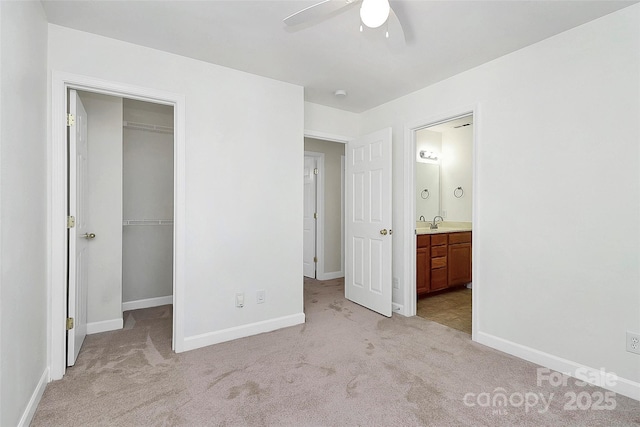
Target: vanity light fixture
<point x="428" y="155"/>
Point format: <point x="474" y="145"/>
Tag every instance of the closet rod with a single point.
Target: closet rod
<point x="147" y="127"/>
<point x="128" y="222"/>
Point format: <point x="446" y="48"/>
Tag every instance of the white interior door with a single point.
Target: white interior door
<point x="309" y="221"/>
<point x="79" y="235"/>
<point x="368" y="222"/>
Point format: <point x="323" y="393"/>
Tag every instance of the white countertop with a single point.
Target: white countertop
<point x="422" y="227"/>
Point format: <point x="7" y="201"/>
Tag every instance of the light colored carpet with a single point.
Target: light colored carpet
<point x="347" y="366"/>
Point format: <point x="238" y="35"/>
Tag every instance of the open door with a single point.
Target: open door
<point x="79" y="235"/>
<point x="368" y="222"/>
<point x="309" y="220"/>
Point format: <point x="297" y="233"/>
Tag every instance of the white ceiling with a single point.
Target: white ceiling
<point x="443" y="38"/>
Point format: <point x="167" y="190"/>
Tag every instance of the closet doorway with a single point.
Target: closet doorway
<point x="130" y="209"/>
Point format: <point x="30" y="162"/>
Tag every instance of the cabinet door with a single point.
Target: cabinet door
<point x="459" y="264"/>
<point x="438" y="279"/>
<point x="422" y="271"/>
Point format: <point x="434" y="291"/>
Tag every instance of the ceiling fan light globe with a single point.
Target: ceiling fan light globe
<point x="374" y="13"/>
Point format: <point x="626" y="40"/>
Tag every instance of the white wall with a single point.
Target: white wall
<point x="333" y="152"/>
<point x="457" y="171"/>
<point x="243" y="132"/>
<point x="558" y="163"/>
<point x="104" y="153"/>
<point x="324" y="122"/>
<point x="23" y="192"/>
<point x="148" y="194"/>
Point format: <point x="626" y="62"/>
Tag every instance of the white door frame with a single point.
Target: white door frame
<point x="409" y="185"/>
<point x="320" y="270"/>
<point x="57" y="244"/>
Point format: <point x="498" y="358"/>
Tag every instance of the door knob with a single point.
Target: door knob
<point x="89" y="236"/>
<point x="383" y="231"/>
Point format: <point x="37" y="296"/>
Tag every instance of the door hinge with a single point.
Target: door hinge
<point x="315" y="171"/>
<point x="71" y="221"/>
<point x="315" y="215"/>
<point x="71" y="120"/>
<point x="69" y="323"/>
<point x="315" y="259"/>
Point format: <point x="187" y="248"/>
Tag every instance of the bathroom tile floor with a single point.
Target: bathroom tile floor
<point x="451" y="308"/>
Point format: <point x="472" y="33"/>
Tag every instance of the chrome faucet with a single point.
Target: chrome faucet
<point x="434" y="226"/>
<point x="422" y="218"/>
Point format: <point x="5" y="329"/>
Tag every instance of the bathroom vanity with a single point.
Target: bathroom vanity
<point x="443" y="260"/>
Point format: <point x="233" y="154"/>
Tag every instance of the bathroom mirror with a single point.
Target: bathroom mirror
<point x="427" y="191"/>
<point x="444" y="166"/>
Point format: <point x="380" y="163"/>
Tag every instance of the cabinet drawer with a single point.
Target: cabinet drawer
<point x="464" y="237"/>
<point x="437" y="251"/>
<point x="438" y="279"/>
<point x="439" y="262"/>
<point x="438" y="239"/>
<point x="423" y="240"/>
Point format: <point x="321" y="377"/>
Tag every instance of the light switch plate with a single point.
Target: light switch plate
<point x="239" y="300"/>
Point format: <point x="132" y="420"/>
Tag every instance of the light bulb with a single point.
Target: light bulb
<point x="374" y="13"/>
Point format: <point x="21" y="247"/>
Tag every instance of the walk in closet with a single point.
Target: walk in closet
<point x="129" y="195"/>
<point x="147" y="235"/>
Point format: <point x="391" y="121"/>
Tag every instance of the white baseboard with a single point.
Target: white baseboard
<point x="146" y="303"/>
<point x="621" y="386"/>
<point x="30" y="410"/>
<point x="330" y="275"/>
<point x="104" y="326"/>
<point x="203" y="340"/>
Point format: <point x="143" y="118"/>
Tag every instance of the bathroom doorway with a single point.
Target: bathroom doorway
<point x="443" y="217"/>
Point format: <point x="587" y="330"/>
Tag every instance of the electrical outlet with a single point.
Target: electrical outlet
<point x="260" y="296"/>
<point x="633" y="342"/>
<point x="239" y="300"/>
<point x="396" y="283"/>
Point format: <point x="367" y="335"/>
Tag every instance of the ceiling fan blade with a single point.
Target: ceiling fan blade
<point x="317" y="11"/>
<point x="396" y="33"/>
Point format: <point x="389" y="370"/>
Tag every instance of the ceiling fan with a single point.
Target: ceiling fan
<point x="373" y="14"/>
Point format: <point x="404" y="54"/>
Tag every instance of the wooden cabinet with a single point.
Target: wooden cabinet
<point x="442" y="261"/>
<point x="459" y="251"/>
<point x="423" y="264"/>
<point x="438" y="262"/>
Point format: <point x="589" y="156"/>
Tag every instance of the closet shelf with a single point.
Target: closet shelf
<point x="128" y="222"/>
<point x="147" y="127"/>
